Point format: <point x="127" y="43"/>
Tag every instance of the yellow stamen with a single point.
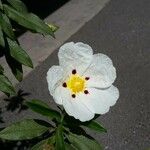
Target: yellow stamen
<point x="76" y="83"/>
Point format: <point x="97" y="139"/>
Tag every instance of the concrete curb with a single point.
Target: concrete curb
<point x="70" y="18"/>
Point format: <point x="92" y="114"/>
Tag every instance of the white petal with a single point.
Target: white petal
<point x="101" y="72"/>
<point x="75" y="56"/>
<point x="74" y="107"/>
<point x="99" y="101"/>
<point x="57" y="95"/>
<point x="54" y="77"/>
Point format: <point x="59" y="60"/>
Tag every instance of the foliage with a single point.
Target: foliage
<point x="65" y="132"/>
<point x="15" y="11"/>
<point x="62" y="131"/>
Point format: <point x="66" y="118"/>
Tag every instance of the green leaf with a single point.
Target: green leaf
<point x="47" y="144"/>
<point x="2" y="42"/>
<point x="1" y="5"/>
<point x="94" y="125"/>
<point x="83" y="143"/>
<point x="26" y="129"/>
<point x="19" y="54"/>
<point x="69" y="147"/>
<point x="38" y="102"/>
<point x="1" y="70"/>
<point x="15" y="67"/>
<point x="60" y="145"/>
<point x="6" y="26"/>
<point x="39" y="145"/>
<point x="30" y="21"/>
<point x="6" y="86"/>
<point x="43" y="109"/>
<point x="18" y="5"/>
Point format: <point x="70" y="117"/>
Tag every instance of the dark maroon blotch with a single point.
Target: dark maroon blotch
<point x="73" y="95"/>
<point x="74" y="71"/>
<point x="87" y="78"/>
<point x="86" y="92"/>
<point x="64" y="84"/>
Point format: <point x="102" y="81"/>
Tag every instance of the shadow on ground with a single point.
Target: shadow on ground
<point x="16" y="102"/>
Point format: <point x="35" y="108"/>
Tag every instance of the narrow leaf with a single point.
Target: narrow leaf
<point x="18" y="5"/>
<point x="6" y="86"/>
<point x="1" y="5"/>
<point x="69" y="147"/>
<point x="2" y="42"/>
<point x="60" y="145"/>
<point x="94" y="125"/>
<point x="15" y="67"/>
<point x="38" y="102"/>
<point x="29" y="20"/>
<point x="42" y="108"/>
<point x="26" y="129"/>
<point x="82" y="142"/>
<point x="47" y="144"/>
<point x="6" y="26"/>
<point x="19" y="54"/>
<point x="1" y="70"/>
<point x="39" y="145"/>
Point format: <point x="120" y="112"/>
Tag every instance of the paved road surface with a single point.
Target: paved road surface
<point x="122" y="31"/>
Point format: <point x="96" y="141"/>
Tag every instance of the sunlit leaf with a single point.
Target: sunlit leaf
<point x="53" y="27"/>
<point x="26" y="129"/>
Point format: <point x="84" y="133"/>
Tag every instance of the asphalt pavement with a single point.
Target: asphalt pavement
<point x="122" y="31"/>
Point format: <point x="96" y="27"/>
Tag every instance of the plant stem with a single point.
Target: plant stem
<point x="62" y="117"/>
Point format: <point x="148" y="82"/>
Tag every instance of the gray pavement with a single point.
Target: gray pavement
<point x="122" y="31"/>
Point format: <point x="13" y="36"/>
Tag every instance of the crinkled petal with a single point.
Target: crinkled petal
<point x="99" y="101"/>
<point x="54" y="77"/>
<point x="102" y="73"/>
<point x="75" y="56"/>
<point x="58" y="95"/>
<point x="73" y="106"/>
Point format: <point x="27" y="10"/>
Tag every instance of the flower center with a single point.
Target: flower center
<point x="76" y="83"/>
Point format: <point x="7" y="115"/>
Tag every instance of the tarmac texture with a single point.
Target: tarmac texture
<point x="121" y="31"/>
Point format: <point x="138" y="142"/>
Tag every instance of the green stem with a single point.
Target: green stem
<point x="62" y="117"/>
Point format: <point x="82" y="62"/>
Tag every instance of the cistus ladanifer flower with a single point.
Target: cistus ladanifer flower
<point x="82" y="82"/>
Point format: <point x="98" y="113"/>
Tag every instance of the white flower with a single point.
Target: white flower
<point x="83" y="81"/>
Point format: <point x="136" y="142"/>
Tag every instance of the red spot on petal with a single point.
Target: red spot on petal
<point x="74" y="71"/>
<point x="73" y="95"/>
<point x="64" y="84"/>
<point x="86" y="92"/>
